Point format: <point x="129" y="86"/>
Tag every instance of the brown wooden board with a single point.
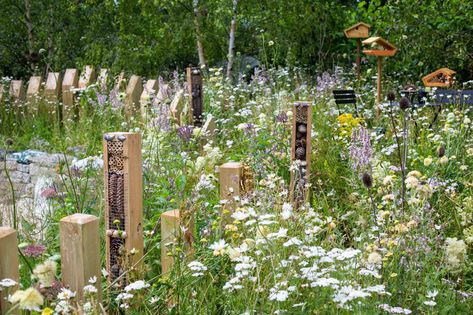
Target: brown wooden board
<point x="194" y="85"/>
<point x="8" y="265"/>
<point x="301" y="152"/>
<point x="123" y="202"/>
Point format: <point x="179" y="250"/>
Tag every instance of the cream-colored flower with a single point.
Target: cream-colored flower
<point x="443" y="159"/>
<point x="375" y="258"/>
<point x="388" y="180"/>
<point x="411" y="182"/>
<point x="29" y="299"/>
<point x="455" y="251"/>
<point x="46" y="273"/>
<point x="414" y="174"/>
<point x="428" y="161"/>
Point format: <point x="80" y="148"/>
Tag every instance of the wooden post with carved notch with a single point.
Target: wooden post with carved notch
<point x="196" y="95"/>
<point x="87" y="77"/>
<point x="71" y="81"/>
<point x="52" y="90"/>
<point x="80" y="252"/>
<point x="123" y="202"/>
<point x="300" y="151"/>
<point x="149" y="91"/>
<point x="236" y="180"/>
<point x="133" y="93"/>
<point x="34" y="87"/>
<point x="17" y="90"/>
<point x="8" y="265"/>
<point x="172" y="234"/>
<point x="102" y="80"/>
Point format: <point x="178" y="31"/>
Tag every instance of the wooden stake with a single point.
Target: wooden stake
<point x="379" y="96"/>
<point x="133" y="93"/>
<point x="123" y="201"/>
<point x="358" y="58"/>
<point x="80" y="252"/>
<point x="301" y="151"/>
<point x="236" y="180"/>
<point x="149" y="90"/>
<point x="52" y="91"/>
<point x="34" y="87"/>
<point x="87" y="77"/>
<point x="194" y="86"/>
<point x="8" y="264"/>
<point x="17" y="90"/>
<point x="71" y="80"/>
<point x="102" y="80"/>
<point x="171" y="233"/>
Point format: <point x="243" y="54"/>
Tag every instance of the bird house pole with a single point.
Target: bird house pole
<point x="358" y="58"/>
<point x="358" y="31"/>
<point x="379" y="82"/>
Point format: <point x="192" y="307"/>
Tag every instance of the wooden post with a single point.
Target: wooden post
<point x="177" y="107"/>
<point x="300" y="151"/>
<point x="34" y="87"/>
<point x="379" y="91"/>
<point x="52" y="91"/>
<point x="149" y="91"/>
<point x="171" y="232"/>
<point x="1" y="92"/>
<point x="236" y="180"/>
<point x="80" y="252"/>
<point x="358" y="58"/>
<point x="87" y="77"/>
<point x="71" y="80"/>
<point x="8" y="264"/>
<point x="123" y="201"/>
<point x="194" y="86"/>
<point x="208" y="130"/>
<point x="102" y="80"/>
<point x="17" y="90"/>
<point x="133" y="93"/>
<point x="120" y="83"/>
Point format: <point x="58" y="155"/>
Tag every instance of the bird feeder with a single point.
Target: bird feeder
<point x="381" y="48"/>
<point x="358" y="31"/>
<point x="442" y="77"/>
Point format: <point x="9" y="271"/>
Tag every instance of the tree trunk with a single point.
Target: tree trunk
<point x="200" y="46"/>
<point x="231" y="44"/>
<point x="29" y="27"/>
<point x="50" y="39"/>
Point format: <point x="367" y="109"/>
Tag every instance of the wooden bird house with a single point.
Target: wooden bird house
<point x="123" y="201"/>
<point x="379" y="47"/>
<point x="442" y="77"/>
<point x="359" y="30"/>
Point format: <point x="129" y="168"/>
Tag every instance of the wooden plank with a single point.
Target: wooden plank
<point x="8" y="264"/>
<point x="196" y="95"/>
<point x="87" y="77"/>
<point x="52" y="90"/>
<point x="345" y="101"/>
<point x="71" y="81"/>
<point x="80" y="252"/>
<point x="172" y="235"/>
<point x="350" y="92"/>
<point x="34" y="87"/>
<point x="123" y="201"/>
<point x="177" y="107"/>
<point x="208" y="129"/>
<point x="103" y="79"/>
<point x="301" y="152"/>
<point x="146" y="97"/>
<point x="17" y="90"/>
<point x="236" y="180"/>
<point x="133" y="93"/>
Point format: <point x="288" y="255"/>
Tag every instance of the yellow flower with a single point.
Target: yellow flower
<point x="29" y="299"/>
<point x="346" y="123"/>
<point x="47" y="311"/>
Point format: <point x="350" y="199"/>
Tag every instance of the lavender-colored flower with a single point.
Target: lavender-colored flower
<point x="282" y="117"/>
<point x="360" y="149"/>
<point x="185" y="133"/>
<point x="114" y="99"/>
<point x="163" y="118"/>
<point x="49" y="193"/>
<point x="34" y="250"/>
<point x="101" y="98"/>
<point x="326" y="82"/>
<point x="249" y="129"/>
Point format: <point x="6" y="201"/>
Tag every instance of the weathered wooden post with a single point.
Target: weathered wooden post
<point x="17" y="90"/>
<point x="34" y="87"/>
<point x="71" y="80"/>
<point x="8" y="264"/>
<point x="208" y="129"/>
<point x="236" y="180"/>
<point x="120" y="83"/>
<point x="80" y="252"/>
<point x="102" y="80"/>
<point x="133" y="93"/>
<point x="146" y="97"/>
<point x="87" y="77"/>
<point x="1" y="92"/>
<point x="177" y="107"/>
<point x="123" y="201"/>
<point x="300" y="151"/>
<point x="358" y="31"/>
<point x="380" y="48"/>
<point x="194" y="87"/>
<point x="52" y="90"/>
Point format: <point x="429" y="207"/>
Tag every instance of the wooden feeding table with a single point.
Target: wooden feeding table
<point x="380" y="48"/>
<point x="442" y="77"/>
<point x="358" y="31"/>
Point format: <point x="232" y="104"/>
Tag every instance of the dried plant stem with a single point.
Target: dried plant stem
<point x="401" y="160"/>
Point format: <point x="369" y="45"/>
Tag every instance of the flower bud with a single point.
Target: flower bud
<point x="404" y="103"/>
<point x="367" y="180"/>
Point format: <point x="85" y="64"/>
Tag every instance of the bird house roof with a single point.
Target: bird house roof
<point x="359" y="30"/>
<point x="441" y="78"/>
<point x="381" y="47"/>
